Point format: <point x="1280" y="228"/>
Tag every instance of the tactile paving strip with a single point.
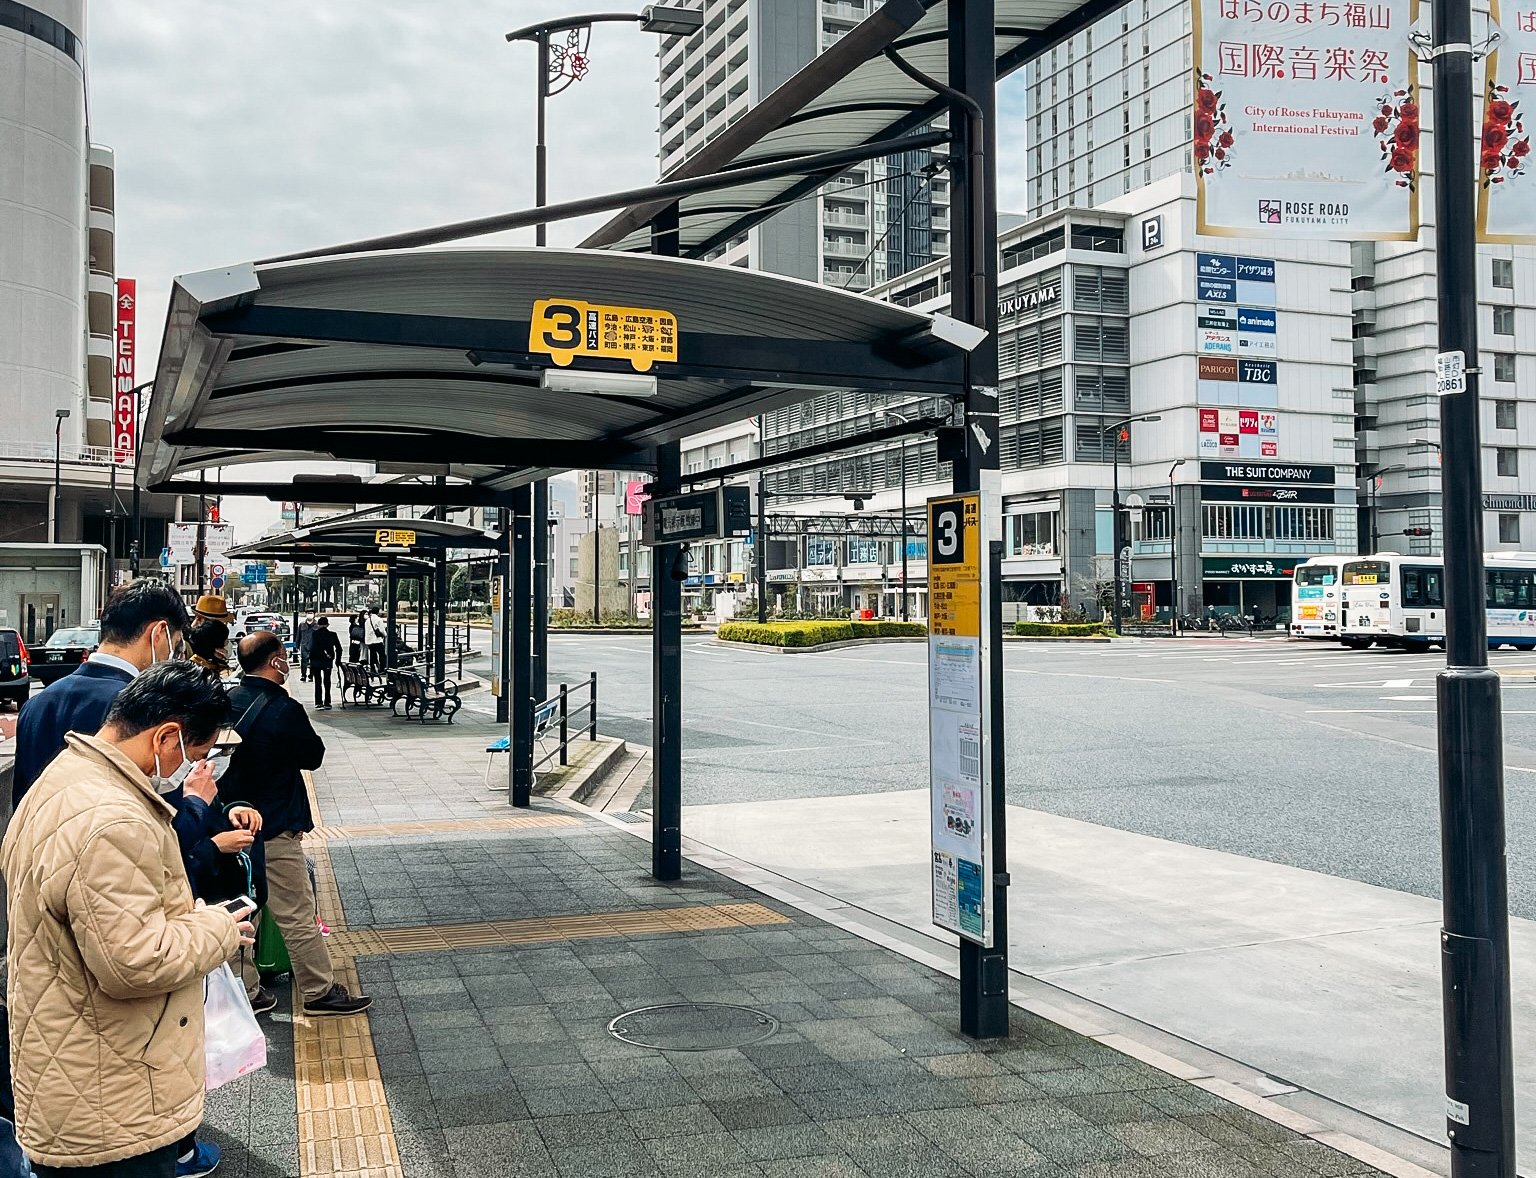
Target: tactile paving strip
<point x="446" y="826"/>
<point x="436" y="938"/>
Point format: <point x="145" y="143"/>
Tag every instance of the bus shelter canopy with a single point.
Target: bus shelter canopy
<point x="433" y="363"/>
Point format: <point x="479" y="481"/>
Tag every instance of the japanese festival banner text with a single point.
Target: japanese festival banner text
<point x="1506" y="206"/>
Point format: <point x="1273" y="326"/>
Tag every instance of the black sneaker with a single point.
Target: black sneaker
<point x="336" y="1000"/>
<point x="263" y="1000"/>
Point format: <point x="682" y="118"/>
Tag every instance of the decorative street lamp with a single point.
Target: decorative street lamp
<point x="58" y="427"/>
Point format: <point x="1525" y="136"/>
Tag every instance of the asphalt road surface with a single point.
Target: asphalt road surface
<point x="1297" y="753"/>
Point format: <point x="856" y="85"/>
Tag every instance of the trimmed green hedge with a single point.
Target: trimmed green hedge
<point x="1060" y="629"/>
<point x="798" y="634"/>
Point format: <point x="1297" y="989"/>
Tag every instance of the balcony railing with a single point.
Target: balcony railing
<point x="14" y="451"/>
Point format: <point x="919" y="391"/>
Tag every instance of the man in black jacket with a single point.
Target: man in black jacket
<point x="324" y="653"/>
<point x="277" y="743"/>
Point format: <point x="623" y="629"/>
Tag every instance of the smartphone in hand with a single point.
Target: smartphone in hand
<point x="240" y="907"/>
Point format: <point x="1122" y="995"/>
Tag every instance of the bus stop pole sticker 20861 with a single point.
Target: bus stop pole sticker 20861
<point x="959" y="776"/>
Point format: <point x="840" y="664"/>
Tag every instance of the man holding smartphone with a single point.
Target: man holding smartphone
<point x="108" y="947"/>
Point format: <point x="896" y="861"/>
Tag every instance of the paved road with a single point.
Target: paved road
<point x="1302" y="754"/>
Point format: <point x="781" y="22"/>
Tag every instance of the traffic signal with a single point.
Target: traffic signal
<point x="1418" y="531"/>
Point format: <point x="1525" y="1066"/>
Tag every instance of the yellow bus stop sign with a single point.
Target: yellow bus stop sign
<point x="394" y="537"/>
<point x="567" y="328"/>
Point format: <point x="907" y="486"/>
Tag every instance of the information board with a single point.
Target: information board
<point x="959" y="760"/>
<point x="567" y="328"/>
<point x="496" y="624"/>
<point x="394" y="537"/>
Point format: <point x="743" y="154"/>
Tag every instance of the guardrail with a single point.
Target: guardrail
<point x="14" y="451"/>
<point x="562" y="714"/>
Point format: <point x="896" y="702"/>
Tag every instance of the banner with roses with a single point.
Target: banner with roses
<point x="1506" y="169"/>
<point x="1306" y="119"/>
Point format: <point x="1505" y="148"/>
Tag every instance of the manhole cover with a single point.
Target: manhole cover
<point x="693" y="1026"/>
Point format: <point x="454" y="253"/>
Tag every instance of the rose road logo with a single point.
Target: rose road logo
<point x="1269" y="212"/>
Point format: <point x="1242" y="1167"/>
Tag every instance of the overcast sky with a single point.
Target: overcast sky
<point x="245" y="130"/>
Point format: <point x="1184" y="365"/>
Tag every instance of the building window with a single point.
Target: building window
<point x="1509" y="528"/>
<point x="1504" y="414"/>
<point x="1032" y="534"/>
<point x="1096" y="441"/>
<point x="1107" y="340"/>
<point x="1232" y="521"/>
<point x="1504" y="273"/>
<point x="1507" y="462"/>
<point x="1303" y="523"/>
<point x="1099" y="238"/>
<point x="1101" y="390"/>
<point x="1503" y="321"/>
<point x="1099" y="288"/>
<point x="1504" y="367"/>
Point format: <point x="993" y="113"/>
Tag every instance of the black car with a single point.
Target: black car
<point x="63" y="652"/>
<point x="15" y="679"/>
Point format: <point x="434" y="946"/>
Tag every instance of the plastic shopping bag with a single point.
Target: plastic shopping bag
<point x="233" y="1044"/>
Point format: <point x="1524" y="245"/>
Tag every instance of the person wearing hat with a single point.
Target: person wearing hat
<point x="213" y="608"/>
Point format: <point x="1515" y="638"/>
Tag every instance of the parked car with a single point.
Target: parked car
<point x="63" y="652"/>
<point x="15" y="674"/>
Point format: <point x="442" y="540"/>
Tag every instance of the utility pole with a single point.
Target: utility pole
<point x="1474" y="942"/>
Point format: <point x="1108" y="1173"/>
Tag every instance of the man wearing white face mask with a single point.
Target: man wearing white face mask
<point x="141" y="625"/>
<point x="107" y="948"/>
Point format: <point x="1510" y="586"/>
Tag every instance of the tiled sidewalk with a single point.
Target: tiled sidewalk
<point x="495" y="1059"/>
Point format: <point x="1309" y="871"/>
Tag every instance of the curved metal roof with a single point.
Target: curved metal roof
<point x="357" y="536"/>
<point x="419" y="360"/>
<point x="848" y="96"/>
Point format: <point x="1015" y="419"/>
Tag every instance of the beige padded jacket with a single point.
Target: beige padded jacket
<point x="107" y="959"/>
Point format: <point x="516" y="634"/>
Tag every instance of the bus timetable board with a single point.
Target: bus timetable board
<point x="959" y="743"/>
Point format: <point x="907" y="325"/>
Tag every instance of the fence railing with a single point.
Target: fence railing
<point x="18" y="451"/>
<point x="561" y="716"/>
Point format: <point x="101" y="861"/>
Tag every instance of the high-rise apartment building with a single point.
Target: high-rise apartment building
<point x="872" y="223"/>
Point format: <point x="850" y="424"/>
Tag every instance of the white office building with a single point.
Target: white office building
<point x="1109" y="113"/>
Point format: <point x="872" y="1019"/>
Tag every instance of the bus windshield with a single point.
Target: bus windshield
<point x="1367" y="572"/>
<point x="1317" y="574"/>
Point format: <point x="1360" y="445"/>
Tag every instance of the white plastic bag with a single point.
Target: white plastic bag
<point x="233" y="1044"/>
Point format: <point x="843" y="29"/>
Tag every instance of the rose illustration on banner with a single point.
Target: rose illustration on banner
<point x="1397" y="135"/>
<point x="1506" y="146"/>
<point x="1213" y="133"/>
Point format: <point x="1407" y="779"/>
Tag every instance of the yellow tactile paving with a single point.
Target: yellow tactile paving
<point x="446" y="826"/>
<point x="436" y="938"/>
<point x="344" y="1124"/>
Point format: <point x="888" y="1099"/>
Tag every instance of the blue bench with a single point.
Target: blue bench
<point x="543" y="718"/>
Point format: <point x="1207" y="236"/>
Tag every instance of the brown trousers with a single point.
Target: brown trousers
<point x="291" y="900"/>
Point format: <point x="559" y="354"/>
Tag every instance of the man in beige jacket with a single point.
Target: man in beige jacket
<point x="107" y="949"/>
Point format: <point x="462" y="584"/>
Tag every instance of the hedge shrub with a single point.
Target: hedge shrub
<point x="1060" y="629"/>
<point x="799" y="634"/>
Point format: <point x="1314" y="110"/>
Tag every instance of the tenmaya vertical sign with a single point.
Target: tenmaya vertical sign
<point x="1306" y="118"/>
<point x="125" y="418"/>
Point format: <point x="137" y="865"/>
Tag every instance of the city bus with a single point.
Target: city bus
<point x="1397" y="600"/>
<point x="1316" y="598"/>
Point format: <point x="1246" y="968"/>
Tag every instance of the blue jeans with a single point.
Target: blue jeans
<point x="13" y="1163"/>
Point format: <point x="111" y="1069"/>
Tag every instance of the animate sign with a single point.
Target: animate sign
<point x="1265" y="472"/>
<point x="1029" y="300"/>
<point x="698" y="515"/>
<point x="394" y="537"/>
<point x="567" y="328"/>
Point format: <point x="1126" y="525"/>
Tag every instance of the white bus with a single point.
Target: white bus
<point x="1399" y="601"/>
<point x="1317" y="598"/>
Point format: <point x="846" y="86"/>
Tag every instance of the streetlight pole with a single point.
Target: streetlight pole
<point x="1173" y="548"/>
<point x="58" y="430"/>
<point x="1474" y="939"/>
<point x="1116" y="530"/>
<point x="903" y="529"/>
<point x="1373" y="489"/>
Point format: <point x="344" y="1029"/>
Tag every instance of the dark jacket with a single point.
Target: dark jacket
<point x="306" y="634"/>
<point x="214" y="876"/>
<point x="277" y="741"/>
<point x="324" y="647"/>
<point x="76" y="703"/>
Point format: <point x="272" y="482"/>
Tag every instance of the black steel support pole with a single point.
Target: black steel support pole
<point x="540" y="151"/>
<point x="520" y="704"/>
<point x="1173" y="556"/>
<point x="540" y="527"/>
<point x="392" y="619"/>
<point x="666" y="644"/>
<point x="667" y="688"/>
<point x="504" y="564"/>
<point x="111" y="526"/>
<point x="973" y="261"/>
<point x="202" y="541"/>
<point x="1474" y="943"/>
<point x="760" y="546"/>
<point x="440" y="618"/>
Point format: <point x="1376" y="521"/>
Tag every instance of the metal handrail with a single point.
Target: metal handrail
<point x="16" y="451"/>
<point x="565" y="714"/>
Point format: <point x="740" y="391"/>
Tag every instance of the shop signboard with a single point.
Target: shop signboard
<point x="1250" y="493"/>
<point x="1238" y="433"/>
<point x="1266" y="472"/>
<point x="1266" y="567"/>
<point x="959" y="740"/>
<point x="1306" y="119"/>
